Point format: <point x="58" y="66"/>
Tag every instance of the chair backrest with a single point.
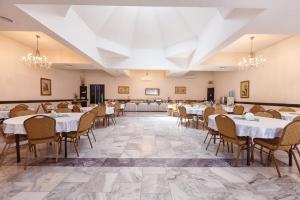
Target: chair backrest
<point x="63" y="110"/>
<point x="101" y="108"/>
<point x="182" y="111"/>
<point x="220" y="111"/>
<point x="264" y="114"/>
<point x="207" y="112"/>
<point x="40" y="128"/>
<point x="86" y="121"/>
<point x="95" y="112"/>
<point x="256" y="108"/>
<point x="275" y="113"/>
<point x="296" y="119"/>
<point x="62" y="105"/>
<point x="24" y="113"/>
<point x="226" y="126"/>
<point x="286" y="109"/>
<point x="117" y="106"/>
<point x="76" y="108"/>
<point x="238" y="110"/>
<point x="174" y="107"/>
<point x="291" y="134"/>
<point x="13" y="111"/>
<point x="22" y="106"/>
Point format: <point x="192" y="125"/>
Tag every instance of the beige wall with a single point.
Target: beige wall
<point x="278" y="81"/>
<point x="19" y="82"/>
<point x="196" y="88"/>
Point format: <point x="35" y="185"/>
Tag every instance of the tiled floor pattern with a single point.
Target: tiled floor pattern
<point x="145" y="157"/>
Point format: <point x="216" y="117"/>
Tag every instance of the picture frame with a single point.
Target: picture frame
<point x="45" y="85"/>
<point x="152" y="91"/>
<point x="123" y="89"/>
<point x="245" y="89"/>
<point x="180" y="90"/>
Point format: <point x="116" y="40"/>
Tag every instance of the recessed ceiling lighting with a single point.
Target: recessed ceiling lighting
<point x="6" y="19"/>
<point x="222" y="67"/>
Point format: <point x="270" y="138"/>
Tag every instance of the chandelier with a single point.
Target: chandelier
<point x="36" y="60"/>
<point x="252" y="61"/>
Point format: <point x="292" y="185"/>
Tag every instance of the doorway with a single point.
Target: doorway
<point x="97" y="93"/>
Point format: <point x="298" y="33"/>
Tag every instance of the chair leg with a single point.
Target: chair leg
<point x="296" y="161"/>
<point x="275" y="162"/>
<point x="228" y="147"/>
<point x="209" y="141"/>
<point x="93" y="134"/>
<point x="238" y="156"/>
<point x="88" y="135"/>
<point x="296" y="147"/>
<point x="260" y="153"/>
<point x="26" y="156"/>
<point x="4" y="153"/>
<point x="221" y="140"/>
<point x="252" y="152"/>
<point x="75" y="146"/>
<point x="206" y="137"/>
<point x="231" y="148"/>
<point x="35" y="153"/>
<point x="57" y="146"/>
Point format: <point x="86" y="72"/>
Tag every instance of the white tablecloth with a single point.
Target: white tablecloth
<point x="130" y="107"/>
<point x="228" y="109"/>
<point x="195" y="110"/>
<point x="63" y="124"/>
<point x="142" y="107"/>
<point x="163" y="107"/>
<point x="4" y="114"/>
<point x="109" y="110"/>
<point x="264" y="128"/>
<point x="289" y="116"/>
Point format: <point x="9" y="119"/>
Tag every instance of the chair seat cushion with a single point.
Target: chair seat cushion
<point x="239" y="141"/>
<point x="268" y="143"/>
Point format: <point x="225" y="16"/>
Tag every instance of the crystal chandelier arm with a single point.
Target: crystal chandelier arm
<point x="37" y="51"/>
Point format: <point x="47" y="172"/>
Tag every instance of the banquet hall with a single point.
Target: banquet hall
<point x="149" y="100"/>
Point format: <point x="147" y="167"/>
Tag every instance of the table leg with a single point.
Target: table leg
<point x="66" y="149"/>
<point x="17" y="136"/>
<point x="290" y="158"/>
<point x="197" y="122"/>
<point x="248" y="151"/>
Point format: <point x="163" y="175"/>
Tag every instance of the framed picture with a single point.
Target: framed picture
<point x="45" y="87"/>
<point x="123" y="89"/>
<point x="245" y="89"/>
<point x="180" y="90"/>
<point x="152" y="91"/>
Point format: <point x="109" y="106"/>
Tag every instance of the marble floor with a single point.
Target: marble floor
<point x="145" y="156"/>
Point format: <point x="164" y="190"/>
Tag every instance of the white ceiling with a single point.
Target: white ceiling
<point x="177" y="36"/>
<point x="261" y="41"/>
<point x="145" y="27"/>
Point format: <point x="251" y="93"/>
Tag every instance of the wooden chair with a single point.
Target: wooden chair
<point x="95" y="112"/>
<point x="76" y="108"/>
<point x="45" y="107"/>
<point x="238" y="110"/>
<point x="275" y="113"/>
<point x="9" y="140"/>
<point x="101" y="113"/>
<point x="13" y="111"/>
<point x="264" y="114"/>
<point x="63" y="110"/>
<point x="24" y="113"/>
<point x="41" y="129"/>
<point x="118" y="109"/>
<point x="62" y="105"/>
<point x="184" y="116"/>
<point x="286" y="109"/>
<point x="297" y="119"/>
<point x="84" y="127"/>
<point x="227" y="131"/>
<point x="213" y="134"/>
<point x="22" y="107"/>
<point x="287" y="142"/>
<point x="256" y="108"/>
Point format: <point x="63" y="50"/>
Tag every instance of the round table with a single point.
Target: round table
<point x="289" y="116"/>
<point x="263" y="127"/>
<point x="109" y="110"/>
<point x="65" y="122"/>
<point x="4" y="114"/>
<point x="195" y="110"/>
